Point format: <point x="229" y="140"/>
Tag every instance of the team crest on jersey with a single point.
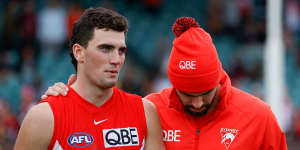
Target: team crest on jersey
<point x="228" y="135"/>
<point x="80" y="139"/>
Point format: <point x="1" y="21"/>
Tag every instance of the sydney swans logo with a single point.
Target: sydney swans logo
<point x="228" y="135"/>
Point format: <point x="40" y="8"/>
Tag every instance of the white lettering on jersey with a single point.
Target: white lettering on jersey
<point x="57" y="146"/>
<point x="171" y="135"/>
<point x="143" y="145"/>
<point x="120" y="137"/>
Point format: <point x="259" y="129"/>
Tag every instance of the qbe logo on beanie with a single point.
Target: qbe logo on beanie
<point x="194" y="65"/>
<point x="188" y="64"/>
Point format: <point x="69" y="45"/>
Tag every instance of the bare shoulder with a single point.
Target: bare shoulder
<point x="149" y="106"/>
<point x="41" y="111"/>
<point x="36" y="129"/>
<point x="40" y="116"/>
<point x="151" y="113"/>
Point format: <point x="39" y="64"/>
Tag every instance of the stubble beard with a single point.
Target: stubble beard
<point x="197" y="114"/>
<point x="105" y="83"/>
<point x="202" y="113"/>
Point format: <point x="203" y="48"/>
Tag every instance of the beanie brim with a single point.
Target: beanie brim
<point x="195" y="84"/>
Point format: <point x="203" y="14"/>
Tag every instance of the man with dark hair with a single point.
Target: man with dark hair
<point x="203" y="110"/>
<point x="95" y="114"/>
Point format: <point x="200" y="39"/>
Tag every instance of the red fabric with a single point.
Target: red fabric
<point x="240" y="115"/>
<point x="155" y="3"/>
<point x="73" y="15"/>
<point x="182" y="24"/>
<point x="297" y="126"/>
<point x="10" y="122"/>
<point x="73" y="114"/>
<point x="194" y="65"/>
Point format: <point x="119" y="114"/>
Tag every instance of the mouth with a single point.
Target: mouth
<point x="113" y="72"/>
<point x="198" y="110"/>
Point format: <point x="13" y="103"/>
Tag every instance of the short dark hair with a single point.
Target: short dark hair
<point x="91" y="19"/>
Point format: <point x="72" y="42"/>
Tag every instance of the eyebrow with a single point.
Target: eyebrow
<point x="105" y="46"/>
<point x="109" y="46"/>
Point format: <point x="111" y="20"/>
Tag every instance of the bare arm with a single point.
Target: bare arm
<point x="37" y="129"/>
<point x="154" y="131"/>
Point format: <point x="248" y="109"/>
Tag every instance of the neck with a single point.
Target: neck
<point x="91" y="92"/>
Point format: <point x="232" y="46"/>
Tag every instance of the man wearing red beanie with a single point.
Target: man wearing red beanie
<point x="203" y="110"/>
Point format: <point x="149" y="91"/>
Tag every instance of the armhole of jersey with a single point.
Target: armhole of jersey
<point x="145" y="127"/>
<point x="53" y="139"/>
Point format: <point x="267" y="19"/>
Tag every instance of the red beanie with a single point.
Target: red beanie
<point x="194" y="65"/>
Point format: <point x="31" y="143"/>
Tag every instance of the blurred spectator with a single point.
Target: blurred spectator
<point x="247" y="70"/>
<point x="9" y="121"/>
<point x="5" y="142"/>
<point x="27" y="72"/>
<point x="27" y="23"/>
<point x="153" y="6"/>
<point x="245" y="9"/>
<point x="74" y="12"/>
<point x="107" y="4"/>
<point x="52" y="28"/>
<point x="38" y="87"/>
<point x="292" y="14"/>
<point x="132" y="78"/>
<point x="288" y="110"/>
<point x="298" y="56"/>
<point x="215" y="24"/>
<point x="147" y="83"/>
<point x="290" y="41"/>
<point x="231" y="16"/>
<point x="296" y="123"/>
<point x="10" y="27"/>
<point x="131" y="2"/>
<point x="27" y="100"/>
<point x="161" y="52"/>
<point x="6" y="65"/>
<point x="160" y="80"/>
<point x="237" y="71"/>
<point x="253" y="31"/>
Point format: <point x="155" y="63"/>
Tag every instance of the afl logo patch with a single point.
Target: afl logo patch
<point x="80" y="139"/>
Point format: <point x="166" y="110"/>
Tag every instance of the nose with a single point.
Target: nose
<point x="115" y="58"/>
<point x="197" y="102"/>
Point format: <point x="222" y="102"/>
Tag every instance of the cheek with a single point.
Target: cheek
<point x="210" y="98"/>
<point x="185" y="100"/>
<point x="122" y="60"/>
<point x="95" y="60"/>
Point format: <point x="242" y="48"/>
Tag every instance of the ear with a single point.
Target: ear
<point x="78" y="52"/>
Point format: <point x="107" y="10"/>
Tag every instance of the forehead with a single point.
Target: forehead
<point x="196" y="94"/>
<point x="108" y="36"/>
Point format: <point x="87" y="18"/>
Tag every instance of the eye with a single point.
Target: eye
<point x="122" y="50"/>
<point x="105" y="48"/>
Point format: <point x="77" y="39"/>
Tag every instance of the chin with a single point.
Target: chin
<point x="108" y="84"/>
<point x="196" y="114"/>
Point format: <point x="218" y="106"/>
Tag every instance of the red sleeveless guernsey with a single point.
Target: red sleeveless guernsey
<point x="118" y="124"/>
